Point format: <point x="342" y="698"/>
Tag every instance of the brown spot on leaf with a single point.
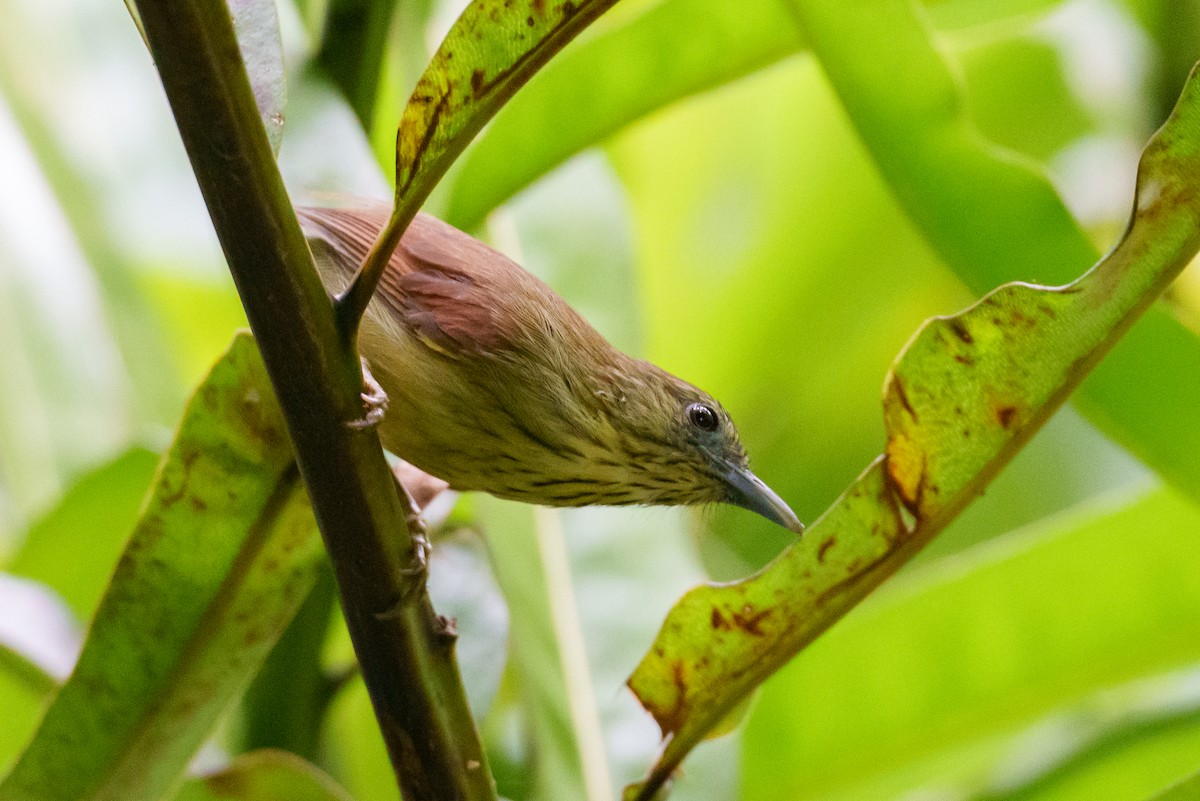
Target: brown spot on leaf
<point x="824" y="548"/>
<point x="568" y="9"/>
<point x="903" y="396"/>
<point x="169" y="495"/>
<point x="539" y="6"/>
<point x="1006" y="415"/>
<point x="679" y="678"/>
<point x="1020" y="319"/>
<point x="478" y="83"/>
<point x="529" y="21"/>
<point x="718" y="620"/>
<point x="750" y="621"/>
<point x="960" y="331"/>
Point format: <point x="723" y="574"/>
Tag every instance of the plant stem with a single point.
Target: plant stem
<point x="406" y="656"/>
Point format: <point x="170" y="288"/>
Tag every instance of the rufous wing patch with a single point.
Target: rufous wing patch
<point x="441" y="283"/>
<point x="445" y="308"/>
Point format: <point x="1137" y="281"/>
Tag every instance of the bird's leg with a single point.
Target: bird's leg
<point x="375" y="401"/>
<point x="417" y="573"/>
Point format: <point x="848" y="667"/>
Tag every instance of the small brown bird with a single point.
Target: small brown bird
<point x="496" y="384"/>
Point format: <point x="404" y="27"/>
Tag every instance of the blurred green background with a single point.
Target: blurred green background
<point x="714" y="211"/>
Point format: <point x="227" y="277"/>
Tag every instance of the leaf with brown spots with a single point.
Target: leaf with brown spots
<point x="493" y="48"/>
<point x="490" y="52"/>
<point x="224" y="552"/>
<point x="961" y="400"/>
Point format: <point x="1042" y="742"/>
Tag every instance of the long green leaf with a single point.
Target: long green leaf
<point x="995" y="217"/>
<point x="962" y="399"/>
<point x="547" y="651"/>
<point x="599" y="86"/>
<point x="224" y="553"/>
<point x="353" y="44"/>
<point x="492" y="50"/>
<point x="100" y="509"/>
<point x="607" y="82"/>
<point x="489" y="53"/>
<point x="1186" y="790"/>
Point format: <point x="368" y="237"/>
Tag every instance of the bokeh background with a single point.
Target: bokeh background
<point x="724" y="221"/>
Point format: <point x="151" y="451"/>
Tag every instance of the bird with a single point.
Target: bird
<point x="495" y="384"/>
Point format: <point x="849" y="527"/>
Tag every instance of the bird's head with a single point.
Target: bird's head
<point x="681" y="446"/>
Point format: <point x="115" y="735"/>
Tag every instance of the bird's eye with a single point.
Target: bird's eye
<point x="702" y="417"/>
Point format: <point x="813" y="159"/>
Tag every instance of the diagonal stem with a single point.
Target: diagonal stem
<point x="407" y="660"/>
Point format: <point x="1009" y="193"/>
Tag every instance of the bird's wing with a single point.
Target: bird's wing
<point x="440" y="283"/>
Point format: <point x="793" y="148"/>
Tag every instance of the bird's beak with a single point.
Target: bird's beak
<point x="749" y="492"/>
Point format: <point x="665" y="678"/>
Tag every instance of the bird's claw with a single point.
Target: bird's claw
<point x="375" y="401"/>
<point x="419" y="567"/>
<point x="416" y="575"/>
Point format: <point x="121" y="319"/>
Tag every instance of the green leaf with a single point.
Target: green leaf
<point x="221" y="558"/>
<point x="950" y="658"/>
<point x="75" y="546"/>
<point x="547" y="650"/>
<point x="489" y="53"/>
<point x="603" y="84"/>
<point x="492" y="50"/>
<point x="599" y="86"/>
<point x="284" y="707"/>
<point x="359" y="758"/>
<point x="39" y="640"/>
<point x="353" y="45"/>
<point x="1186" y="790"/>
<point x="21" y="706"/>
<point x="265" y="775"/>
<point x="962" y="399"/>
<point x="995" y="217"/>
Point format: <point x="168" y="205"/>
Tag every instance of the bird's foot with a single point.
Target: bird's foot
<point x="418" y="568"/>
<point x="415" y="576"/>
<point x="375" y="401"/>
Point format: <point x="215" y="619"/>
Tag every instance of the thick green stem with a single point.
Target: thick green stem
<point x="406" y="657"/>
